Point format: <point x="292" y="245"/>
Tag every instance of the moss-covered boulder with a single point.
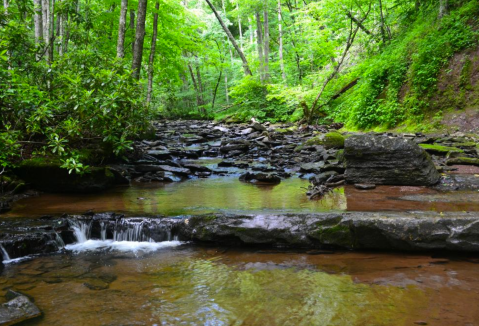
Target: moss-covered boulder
<point x="463" y="161"/>
<point x="47" y="175"/>
<point x="330" y="140"/>
<point x="440" y="149"/>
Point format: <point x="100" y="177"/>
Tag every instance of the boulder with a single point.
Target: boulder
<point x="330" y="140"/>
<point x="260" y="177"/>
<point x="17" y="310"/>
<point x="48" y="175"/>
<point x="378" y="159"/>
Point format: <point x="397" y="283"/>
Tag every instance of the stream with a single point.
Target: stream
<point x="137" y="270"/>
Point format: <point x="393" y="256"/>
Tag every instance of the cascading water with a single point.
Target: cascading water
<point x="81" y="230"/>
<point x="4" y="253"/>
<point x="59" y="240"/>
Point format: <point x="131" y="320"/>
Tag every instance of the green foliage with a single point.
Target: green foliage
<point x="263" y="102"/>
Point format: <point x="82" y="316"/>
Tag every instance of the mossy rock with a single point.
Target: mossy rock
<point x="337" y="235"/>
<point x="47" y="175"/>
<point x="330" y="140"/>
<point x="463" y="161"/>
<point x="439" y="149"/>
<point x="289" y="130"/>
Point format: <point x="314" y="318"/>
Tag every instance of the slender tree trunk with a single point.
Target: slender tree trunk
<point x="383" y="28"/>
<point x="38" y="21"/>
<point x="216" y="89"/>
<point x="280" y="50"/>
<point x="120" y="45"/>
<point x="443" y="8"/>
<point x="247" y="71"/>
<point x="240" y="29"/>
<point x="139" y="39"/>
<point x="226" y="90"/>
<point x="63" y="31"/>
<point x="132" y="28"/>
<point x="5" y="6"/>
<point x="266" y="42"/>
<point x="195" y="84"/>
<point x="259" y="42"/>
<point x="251" y="32"/>
<point x="46" y="26"/>
<point x="52" y="33"/>
<point x="152" y="54"/>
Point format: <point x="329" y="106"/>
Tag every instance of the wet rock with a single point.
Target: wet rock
<point x="311" y="167"/>
<point x="176" y="170"/>
<point x="18" y="310"/>
<point x="258" y="126"/>
<point x="4" y="206"/>
<point x="463" y="161"/>
<point x="322" y="178"/>
<point x="96" y="285"/>
<point x="260" y="177"/>
<point x="197" y="167"/>
<point x="386" y="160"/>
<point x="160" y="154"/>
<point x="363" y="186"/>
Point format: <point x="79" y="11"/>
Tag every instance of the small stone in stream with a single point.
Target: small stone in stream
<point x="364" y="186"/>
<point x="226" y="164"/>
<point x="246" y="131"/>
<point x="202" y="174"/>
<point x="258" y="126"/>
<point x="234" y="147"/>
<point x="161" y="155"/>
<point x="197" y="167"/>
<point x="181" y="171"/>
<point x="260" y="177"/>
<point x="96" y="285"/>
<point x="311" y="167"/>
<point x="322" y="177"/>
<point x="420" y="322"/>
<point x="167" y="176"/>
<point x="17" y="310"/>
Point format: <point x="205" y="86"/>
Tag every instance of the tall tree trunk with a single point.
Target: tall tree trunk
<point x="38" y="21"/>
<point x="382" y="23"/>
<point x="240" y="29"/>
<point x="46" y="26"/>
<point x="247" y="71"/>
<point x="195" y="84"/>
<point x="139" y="38"/>
<point x="251" y="32"/>
<point x="266" y="41"/>
<point x="152" y="54"/>
<point x="259" y="42"/>
<point x="5" y="6"/>
<point x="443" y="8"/>
<point x="63" y="21"/>
<point x="120" y="45"/>
<point x="226" y="90"/>
<point x="280" y="30"/>
<point x="52" y="33"/>
<point x="132" y="28"/>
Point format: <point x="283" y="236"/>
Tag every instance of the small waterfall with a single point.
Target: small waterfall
<point x="81" y="230"/>
<point x="133" y="232"/>
<point x="4" y="253"/>
<point x="59" y="240"/>
<point x="103" y="231"/>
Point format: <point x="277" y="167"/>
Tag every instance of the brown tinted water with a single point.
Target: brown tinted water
<point x="214" y="286"/>
<point x="226" y="194"/>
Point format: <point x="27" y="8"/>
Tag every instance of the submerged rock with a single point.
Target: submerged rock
<point x="377" y="159"/>
<point x="18" y="310"/>
<point x="260" y="177"/>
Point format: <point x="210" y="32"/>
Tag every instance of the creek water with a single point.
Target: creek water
<point x="227" y="194"/>
<point x="130" y="280"/>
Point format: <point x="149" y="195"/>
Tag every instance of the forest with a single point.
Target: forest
<point x="81" y="72"/>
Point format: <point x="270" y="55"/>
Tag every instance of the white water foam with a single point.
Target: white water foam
<point x="123" y="246"/>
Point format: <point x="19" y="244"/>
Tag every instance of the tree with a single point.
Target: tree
<point x="259" y="43"/>
<point x="152" y="54"/>
<point x="280" y="50"/>
<point x="139" y="39"/>
<point x="120" y="47"/>
<point x="38" y="21"/>
<point x="443" y="8"/>
<point x="246" y="68"/>
<point x="266" y="41"/>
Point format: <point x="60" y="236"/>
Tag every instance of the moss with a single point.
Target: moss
<point x="337" y="235"/>
<point x="299" y="148"/>
<point x="340" y="155"/>
<point x="330" y="140"/>
<point x="439" y="149"/>
<point x="466" y="72"/>
<point x="289" y="130"/>
<point x="463" y="161"/>
<point x="41" y="162"/>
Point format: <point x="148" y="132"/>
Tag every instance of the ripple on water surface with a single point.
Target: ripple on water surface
<point x="212" y="286"/>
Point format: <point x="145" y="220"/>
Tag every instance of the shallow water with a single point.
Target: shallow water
<point x="184" y="285"/>
<point x="228" y="194"/>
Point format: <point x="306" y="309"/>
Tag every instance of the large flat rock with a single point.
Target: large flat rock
<point x="380" y="159"/>
<point x="349" y="230"/>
